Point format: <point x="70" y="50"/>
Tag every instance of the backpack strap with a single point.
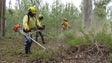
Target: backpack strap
<point x="36" y="23"/>
<point x="28" y="19"/>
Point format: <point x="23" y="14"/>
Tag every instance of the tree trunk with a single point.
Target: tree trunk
<point x="87" y="14"/>
<point x="2" y="17"/>
<point x="0" y="14"/>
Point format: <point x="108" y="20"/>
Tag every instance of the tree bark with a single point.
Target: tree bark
<point x="87" y="14"/>
<point x="2" y="17"/>
<point x="0" y="14"/>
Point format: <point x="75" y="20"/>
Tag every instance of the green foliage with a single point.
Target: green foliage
<point x="100" y="12"/>
<point x="71" y="38"/>
<point x="110" y="58"/>
<point x="52" y="15"/>
<point x="100" y="8"/>
<point x="68" y="36"/>
<point x="103" y="37"/>
<point x="40" y="53"/>
<point x="86" y="35"/>
<point x="75" y="41"/>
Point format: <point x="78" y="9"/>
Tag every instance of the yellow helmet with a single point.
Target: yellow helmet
<point x="40" y="16"/>
<point x="32" y="9"/>
<point x="65" y="19"/>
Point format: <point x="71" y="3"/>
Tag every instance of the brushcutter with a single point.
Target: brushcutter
<point x="16" y="28"/>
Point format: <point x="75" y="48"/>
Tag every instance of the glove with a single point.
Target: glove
<point x="42" y="28"/>
<point x="26" y="30"/>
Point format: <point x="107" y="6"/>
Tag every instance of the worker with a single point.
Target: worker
<point x="29" y="23"/>
<point x="65" y="25"/>
<point x="40" y="30"/>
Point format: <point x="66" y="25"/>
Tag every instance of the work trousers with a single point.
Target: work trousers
<point x="41" y="35"/>
<point x="27" y="45"/>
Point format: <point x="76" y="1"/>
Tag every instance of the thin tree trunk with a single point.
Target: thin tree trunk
<point x="0" y="14"/>
<point x="3" y="18"/>
<point x="87" y="14"/>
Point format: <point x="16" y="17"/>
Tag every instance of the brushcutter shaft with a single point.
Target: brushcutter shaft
<point x="25" y="34"/>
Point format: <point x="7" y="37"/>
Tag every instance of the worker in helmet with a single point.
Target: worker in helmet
<point x="29" y="23"/>
<point x="40" y="31"/>
<point x="65" y="24"/>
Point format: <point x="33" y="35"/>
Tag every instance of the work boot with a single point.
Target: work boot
<point x="43" y="42"/>
<point x="26" y="50"/>
<point x="42" y="38"/>
<point x="36" y="39"/>
<point x="29" y="46"/>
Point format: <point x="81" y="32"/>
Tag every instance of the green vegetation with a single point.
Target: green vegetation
<point x="12" y="45"/>
<point x="40" y="53"/>
<point x="71" y="39"/>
